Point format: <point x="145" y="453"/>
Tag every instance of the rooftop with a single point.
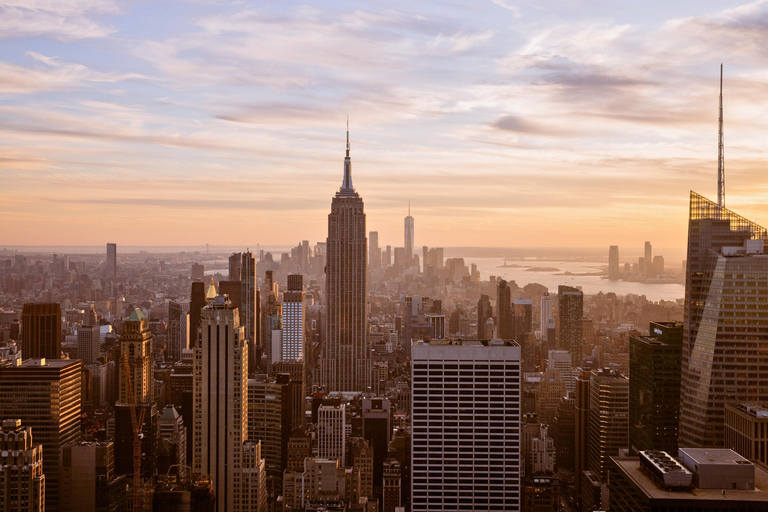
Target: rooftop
<point x="137" y="316"/>
<point x="647" y="485"/>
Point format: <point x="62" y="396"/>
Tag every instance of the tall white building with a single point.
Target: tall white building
<point x="294" y="318"/>
<point x="331" y="432"/>
<point x="88" y="344"/>
<point x="221" y="406"/>
<point x="546" y="315"/>
<point x="465" y="451"/>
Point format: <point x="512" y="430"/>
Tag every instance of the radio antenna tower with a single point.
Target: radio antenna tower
<point x="721" y="150"/>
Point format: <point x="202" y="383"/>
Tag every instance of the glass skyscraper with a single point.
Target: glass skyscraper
<point x="725" y="335"/>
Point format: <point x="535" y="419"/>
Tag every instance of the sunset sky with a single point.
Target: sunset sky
<point x="506" y="123"/>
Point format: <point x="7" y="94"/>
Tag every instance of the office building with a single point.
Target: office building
<point x="613" y="263"/>
<point x="111" y="263"/>
<point x="172" y="435"/>
<point x="505" y="320"/>
<point x="523" y="309"/>
<point x="22" y="482"/>
<point x="293" y="334"/>
<point x="265" y="413"/>
<point x="466" y="434"/>
<point x="546" y="315"/>
<point x="362" y="462"/>
<point x="377" y="430"/>
<point x="724" y="333"/>
<point x="484" y="313"/>
<point x="408" y="244"/>
<point x="45" y="395"/>
<point x="124" y="438"/>
<point x="41" y="331"/>
<point x="254" y="478"/>
<point x="581" y="431"/>
<point x="250" y="307"/>
<point x="551" y="390"/>
<point x="746" y="430"/>
<point x="177" y="337"/>
<point x="198" y="272"/>
<point x="571" y="311"/>
<point x="561" y="360"/>
<point x="331" y="432"/>
<point x="648" y="259"/>
<point x="374" y="253"/>
<point x="221" y="403"/>
<point x="299" y="448"/>
<point x="704" y="480"/>
<point x="608" y="424"/>
<point x="391" y="498"/>
<point x="136" y="349"/>
<point x="88" y="347"/>
<point x="654" y="389"/>
<point x="346" y="361"/>
<point x="196" y="305"/>
<point x="89" y="480"/>
<point x="322" y="482"/>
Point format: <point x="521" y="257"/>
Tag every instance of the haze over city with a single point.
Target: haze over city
<point x="526" y="124"/>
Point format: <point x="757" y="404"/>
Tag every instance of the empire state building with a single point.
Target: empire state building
<point x="346" y="362"/>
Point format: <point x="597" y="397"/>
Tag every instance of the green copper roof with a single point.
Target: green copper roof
<point x="137" y="316"/>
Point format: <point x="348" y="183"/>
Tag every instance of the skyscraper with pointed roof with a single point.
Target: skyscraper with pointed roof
<point x="346" y="363"/>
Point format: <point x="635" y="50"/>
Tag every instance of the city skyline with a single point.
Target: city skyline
<point x="117" y="121"/>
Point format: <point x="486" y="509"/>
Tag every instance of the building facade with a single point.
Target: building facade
<point x="22" y="482"/>
<point x="41" y="331"/>
<point x="571" y="311"/>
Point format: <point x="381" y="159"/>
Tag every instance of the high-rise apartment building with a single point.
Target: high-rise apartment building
<point x="466" y="426"/>
<point x="724" y="337"/>
<point x="505" y="324"/>
<point x="571" y="312"/>
<point x="408" y="244"/>
<point x="45" y="395"/>
<point x="346" y="362"/>
<point x="221" y="404"/>
<point x="41" y="331"/>
<point x="136" y="348"/>
<point x="374" y="253"/>
<point x="111" y="264"/>
<point x="22" y="482"/>
<point x="292" y="344"/>
<point x="88" y="346"/>
<point x="331" y="432"/>
<point x="613" y="263"/>
<point x="654" y="389"/>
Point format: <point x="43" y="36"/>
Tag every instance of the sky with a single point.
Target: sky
<point x="562" y="123"/>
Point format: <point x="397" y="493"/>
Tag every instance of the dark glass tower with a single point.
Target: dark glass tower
<point x="506" y="325"/>
<point x="654" y="389"/>
<point x="571" y="310"/>
<point x="346" y="363"/>
<point x="725" y="334"/>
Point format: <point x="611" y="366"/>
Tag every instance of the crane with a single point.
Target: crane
<point x="136" y="423"/>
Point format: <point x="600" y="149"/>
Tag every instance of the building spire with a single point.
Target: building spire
<point x="721" y="150"/>
<point x="346" y="184"/>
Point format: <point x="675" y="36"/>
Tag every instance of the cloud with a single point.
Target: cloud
<point x="507" y="4"/>
<point x="62" y="20"/>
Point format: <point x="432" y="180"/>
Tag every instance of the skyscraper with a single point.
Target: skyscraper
<point x="111" y="264"/>
<point x="196" y="305"/>
<point x="724" y="336"/>
<point x="613" y="263"/>
<point x="546" y="314"/>
<point x="294" y="315"/>
<point x="374" y="253"/>
<point x="654" y="389"/>
<point x="648" y="260"/>
<point x="41" y="331"/>
<point x="466" y="426"/>
<point x="45" y="395"/>
<point x="571" y="311"/>
<point x="88" y="348"/>
<point x="136" y="347"/>
<point x="221" y="398"/>
<point x="484" y="312"/>
<point x="506" y="321"/>
<point x="22" y="482"/>
<point x="346" y="363"/>
<point x="408" y="238"/>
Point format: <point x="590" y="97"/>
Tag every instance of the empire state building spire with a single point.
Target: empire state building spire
<point x="346" y="185"/>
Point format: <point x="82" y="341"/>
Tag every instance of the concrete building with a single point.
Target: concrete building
<point x="704" y="480"/>
<point x="45" y="395"/>
<point x="561" y="360"/>
<point x="331" y="432"/>
<point x="88" y="346"/>
<point x="746" y="430"/>
<point x="346" y="360"/>
<point x="221" y="403"/>
<point x="41" y="331"/>
<point x="392" y="482"/>
<point x="466" y="426"/>
<point x="89" y="481"/>
<point x="22" y="482"/>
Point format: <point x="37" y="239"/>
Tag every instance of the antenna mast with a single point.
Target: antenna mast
<point x="721" y="150"/>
